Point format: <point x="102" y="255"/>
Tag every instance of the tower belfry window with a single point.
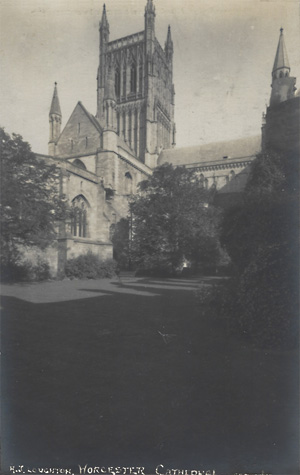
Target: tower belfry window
<point x="133" y="78"/>
<point x="140" y="78"/>
<point x="117" y="83"/>
<point x="124" y="82"/>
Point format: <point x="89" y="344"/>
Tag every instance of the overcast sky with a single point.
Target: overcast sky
<point x="223" y="56"/>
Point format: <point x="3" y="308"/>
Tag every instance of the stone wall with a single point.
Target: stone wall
<point x="282" y="130"/>
<point x="79" y="136"/>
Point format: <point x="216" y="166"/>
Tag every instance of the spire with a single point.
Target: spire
<point x="283" y="86"/>
<point x="281" y="62"/>
<point x="55" y="107"/>
<point x="104" y="25"/>
<point x="54" y="122"/>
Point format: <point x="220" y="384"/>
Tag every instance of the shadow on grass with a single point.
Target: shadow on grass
<point x="93" y="381"/>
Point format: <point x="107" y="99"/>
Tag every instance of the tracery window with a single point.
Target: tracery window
<point x="79" y="216"/>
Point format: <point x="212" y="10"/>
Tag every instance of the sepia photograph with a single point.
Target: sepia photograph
<point x="150" y="237"/>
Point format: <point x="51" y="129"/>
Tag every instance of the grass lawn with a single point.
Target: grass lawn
<point x="89" y="379"/>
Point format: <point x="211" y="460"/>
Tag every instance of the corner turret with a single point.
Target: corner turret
<point x="110" y="100"/>
<point x="150" y="27"/>
<point x="54" y="122"/>
<point x="283" y="86"/>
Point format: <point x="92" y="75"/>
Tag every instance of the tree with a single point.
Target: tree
<point x="261" y="237"/>
<point x="30" y="202"/>
<point x="173" y="221"/>
<point x="121" y="243"/>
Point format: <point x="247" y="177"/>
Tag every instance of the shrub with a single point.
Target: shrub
<point x="89" y="266"/>
<point x="25" y="271"/>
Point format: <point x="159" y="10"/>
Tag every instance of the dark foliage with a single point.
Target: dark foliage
<point x="261" y="238"/>
<point x="31" y="205"/>
<point x="25" y="271"/>
<point x="121" y="243"/>
<point x="173" y="221"/>
<point x="90" y="266"/>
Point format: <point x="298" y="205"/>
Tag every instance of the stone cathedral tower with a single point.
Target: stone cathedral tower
<point x="135" y="91"/>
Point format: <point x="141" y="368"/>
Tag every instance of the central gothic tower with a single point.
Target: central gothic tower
<point x="135" y="90"/>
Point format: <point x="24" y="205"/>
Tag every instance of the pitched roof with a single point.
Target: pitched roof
<point x="211" y="153"/>
<point x="55" y="107"/>
<point x="281" y="58"/>
<point x="92" y="118"/>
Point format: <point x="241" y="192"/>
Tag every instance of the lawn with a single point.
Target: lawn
<point x="90" y="377"/>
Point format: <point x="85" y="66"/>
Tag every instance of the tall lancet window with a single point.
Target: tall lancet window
<point x="141" y="79"/>
<point x="124" y="81"/>
<point x="79" y="216"/>
<point x="133" y="78"/>
<point x="118" y="123"/>
<point x="117" y="83"/>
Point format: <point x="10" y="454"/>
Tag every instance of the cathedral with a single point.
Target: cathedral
<point x="103" y="157"/>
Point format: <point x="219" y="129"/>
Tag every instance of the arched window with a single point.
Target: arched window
<point x="287" y="74"/>
<point x="202" y="179"/>
<point x="78" y="163"/>
<point x="206" y="183"/>
<point x="133" y="78"/>
<point x="117" y="82"/>
<point x="232" y="174"/>
<point x="128" y="183"/>
<point x="79" y="216"/>
<point x="281" y="74"/>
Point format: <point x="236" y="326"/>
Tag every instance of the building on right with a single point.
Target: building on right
<point x="281" y="123"/>
<point x="225" y="166"/>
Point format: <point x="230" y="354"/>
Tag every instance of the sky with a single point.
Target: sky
<point x="223" y="56"/>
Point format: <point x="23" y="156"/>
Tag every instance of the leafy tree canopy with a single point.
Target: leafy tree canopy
<point x="30" y="200"/>
<point x="261" y="237"/>
<point x="269" y="214"/>
<point x="173" y="221"/>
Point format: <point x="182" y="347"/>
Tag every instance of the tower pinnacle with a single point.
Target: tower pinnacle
<point x="104" y="25"/>
<point x="169" y="45"/>
<point x="150" y="8"/>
